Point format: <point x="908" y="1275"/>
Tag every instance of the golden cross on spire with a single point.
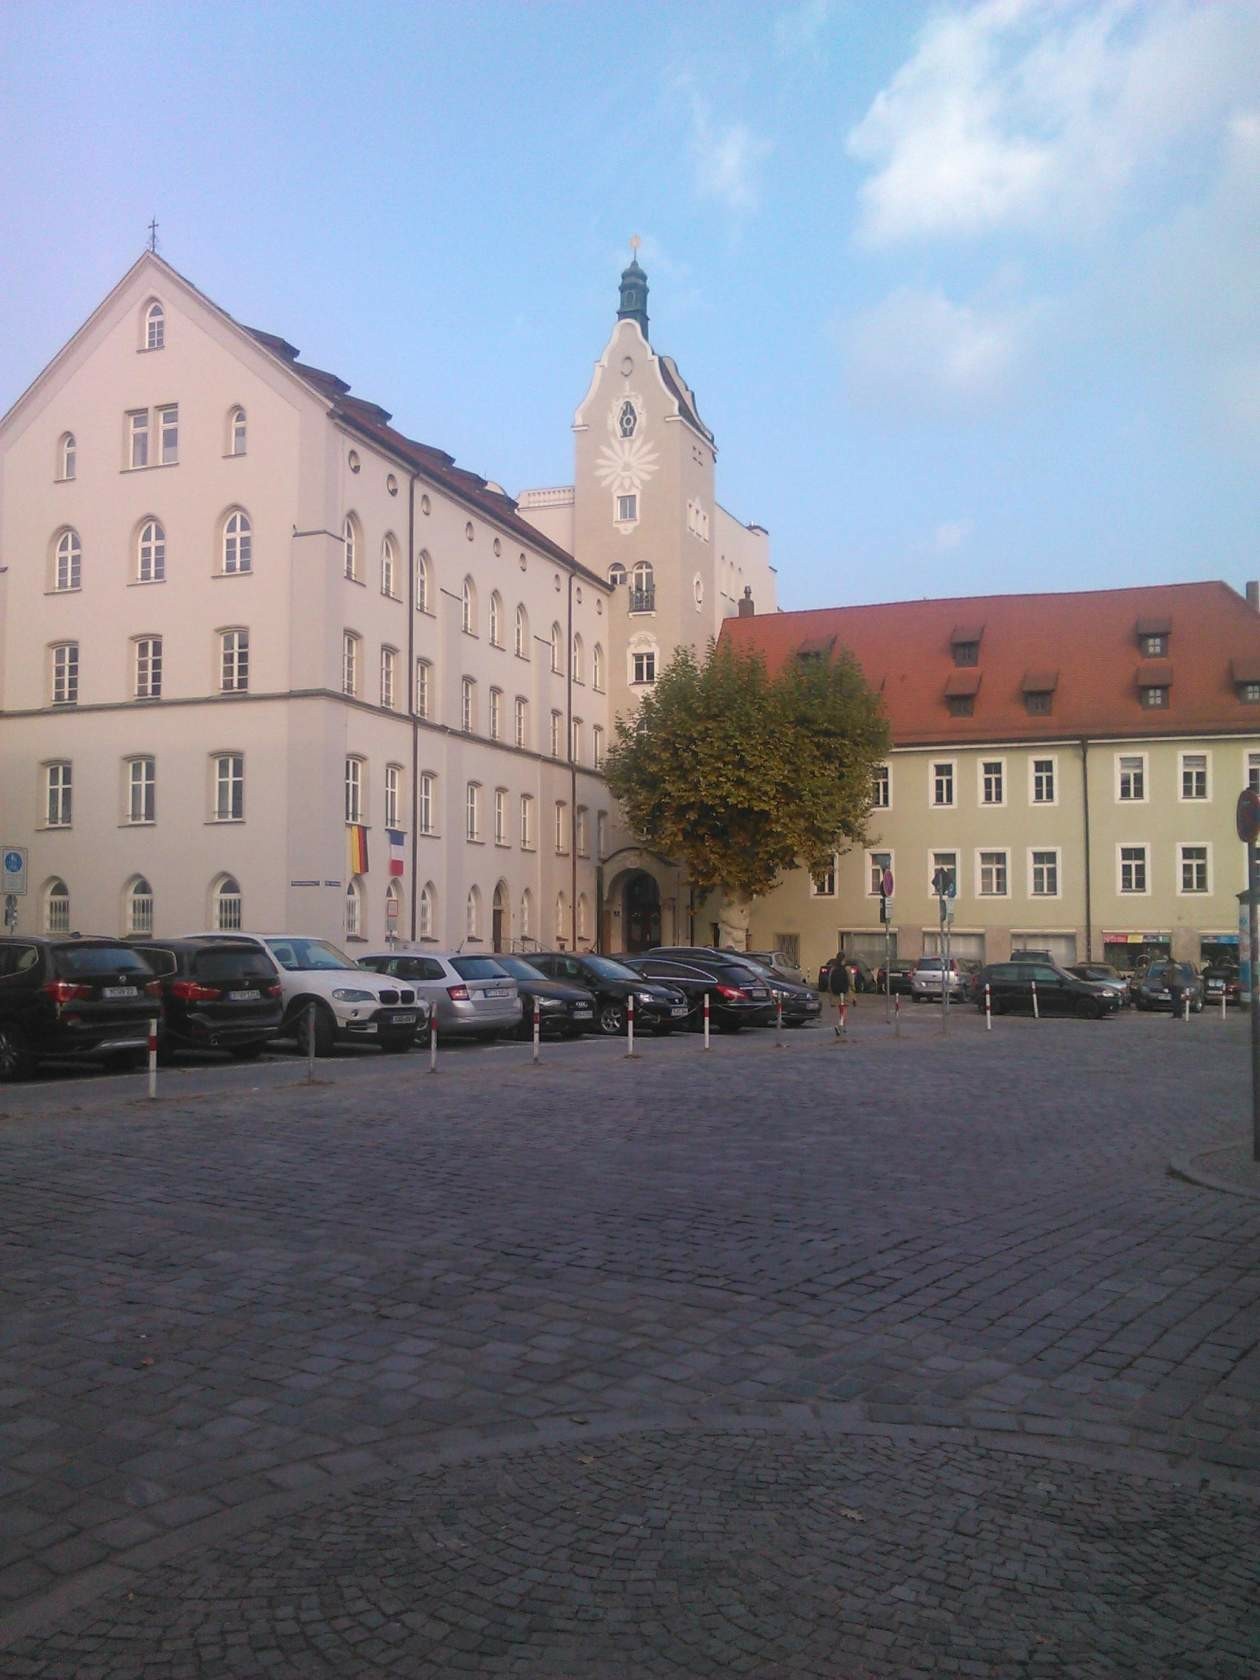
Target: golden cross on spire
<point x="635" y="242"/>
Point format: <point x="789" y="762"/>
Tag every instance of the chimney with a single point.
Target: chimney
<point x="748" y="610"/>
<point x="1253" y="596"/>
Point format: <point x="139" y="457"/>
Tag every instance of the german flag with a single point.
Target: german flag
<point x="356" y="849"/>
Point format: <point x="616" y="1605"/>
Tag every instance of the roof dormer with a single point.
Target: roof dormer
<point x="1153" y="631"/>
<point x="964" y="643"/>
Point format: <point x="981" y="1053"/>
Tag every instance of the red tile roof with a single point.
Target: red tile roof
<point x="1089" y="638"/>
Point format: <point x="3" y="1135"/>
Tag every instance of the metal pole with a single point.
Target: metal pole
<point x="153" y="1047"/>
<point x="988" y="1007"/>
<point x="945" y="973"/>
<point x="537" y="1027"/>
<point x="310" y="1044"/>
<point x="433" y="1042"/>
<point x="1036" y="1011"/>
<point x="1253" y="938"/>
<point x="778" y="1021"/>
<point x="630" y="1027"/>
<point x="897" y="1014"/>
<point x="887" y="969"/>
<point x="706" y="1021"/>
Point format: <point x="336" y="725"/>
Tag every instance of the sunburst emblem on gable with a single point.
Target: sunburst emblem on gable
<point x="626" y="465"/>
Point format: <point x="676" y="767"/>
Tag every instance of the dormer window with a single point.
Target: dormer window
<point x="1245" y="676"/>
<point x="1038" y="690"/>
<point x="964" y="643"/>
<point x="627" y="419"/>
<point x="960" y="692"/>
<point x="1153" y="631"/>
<point x="961" y="705"/>
<point x="1153" y="684"/>
<point x="1154" y="694"/>
<point x="1153" y="646"/>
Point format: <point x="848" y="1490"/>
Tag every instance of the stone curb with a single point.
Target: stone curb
<point x="1187" y="1168"/>
<point x="419" y="1454"/>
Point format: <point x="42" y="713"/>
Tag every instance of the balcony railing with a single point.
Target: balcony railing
<point x="643" y="600"/>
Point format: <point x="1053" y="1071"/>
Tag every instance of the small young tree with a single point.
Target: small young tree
<point x="741" y="776"/>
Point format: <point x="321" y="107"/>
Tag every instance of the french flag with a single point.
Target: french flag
<point x="397" y="850"/>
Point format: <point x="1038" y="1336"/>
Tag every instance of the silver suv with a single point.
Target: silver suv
<point x="474" y="996"/>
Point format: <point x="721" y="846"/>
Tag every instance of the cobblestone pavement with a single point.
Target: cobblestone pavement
<point x="900" y="1358"/>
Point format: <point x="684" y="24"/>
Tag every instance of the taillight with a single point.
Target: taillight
<point x="272" y="990"/>
<point x="729" y="992"/>
<point x="66" y="991"/>
<point x="192" y="991"/>
<point x="153" y="988"/>
<point x="457" y="994"/>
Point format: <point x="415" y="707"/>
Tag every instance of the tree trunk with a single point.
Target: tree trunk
<point x="733" y="922"/>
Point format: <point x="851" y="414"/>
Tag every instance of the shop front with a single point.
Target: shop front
<point x="1126" y="951"/>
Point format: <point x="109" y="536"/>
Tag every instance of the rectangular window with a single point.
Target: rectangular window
<point x="1133" y="869"/>
<point x="424" y="683"/>
<point x="527" y="822"/>
<point x="966" y="653"/>
<point x="881" y="788"/>
<point x="389" y="678"/>
<point x="1043" y="781"/>
<point x="229" y="787"/>
<point x="1193" y="862"/>
<point x="472" y="811"/>
<point x="393" y="796"/>
<point x="1153" y="696"/>
<point x="557" y="730"/>
<point x="601" y="834"/>
<point x="466" y="705"/>
<point x="138" y="438"/>
<point x="234" y="661"/>
<point x="424" y="804"/>
<point x="944" y="872"/>
<point x="1194" y="775"/>
<point x="992" y="874"/>
<point x="1037" y="703"/>
<point x="562" y="826"/>
<point x="824" y="885"/>
<point x="148" y="668"/>
<point x="65" y="674"/>
<point x="644" y="667"/>
<point x="349" y="663"/>
<point x="1253" y="771"/>
<point x="992" y="781"/>
<point x="597" y="747"/>
<point x="1044" y="876"/>
<point x="1131" y="776"/>
<point x="575" y="743"/>
<point x="580" y="840"/>
<point x="960" y="705"/>
<point x="521" y="724"/>
<point x="168" y="434"/>
<point x="627" y="508"/>
<point x="141" y="790"/>
<point x="354" y="790"/>
<point x="1153" y="647"/>
<point x="58" y="794"/>
<point x="500" y="817"/>
<point x="943" y="782"/>
<point x="876" y="864"/>
<point x="1249" y="693"/>
<point x="496" y="714"/>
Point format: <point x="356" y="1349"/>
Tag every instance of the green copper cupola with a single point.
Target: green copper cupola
<point x="634" y="291"/>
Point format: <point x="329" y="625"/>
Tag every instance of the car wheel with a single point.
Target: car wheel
<point x="245" y="1052"/>
<point x="325" y="1027"/>
<point x="612" y="1019"/>
<point x="16" y="1061"/>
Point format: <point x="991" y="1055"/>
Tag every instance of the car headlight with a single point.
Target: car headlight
<point x="551" y="1003"/>
<point x="646" y="997"/>
<point x="348" y="994"/>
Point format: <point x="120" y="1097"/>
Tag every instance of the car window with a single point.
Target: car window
<point x="98" y="959"/>
<point x="159" y="960"/>
<point x="606" y="969"/>
<point x="300" y="955"/>
<point x="1042" y="971"/>
<point x="521" y="969"/>
<point x="930" y="965"/>
<point x="479" y="968"/>
<point x="223" y="964"/>
<point x="17" y="959"/>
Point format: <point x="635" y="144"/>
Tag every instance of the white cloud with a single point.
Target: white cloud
<point x="1039" y="113"/>
<point x="919" y="353"/>
<point x="951" y="534"/>
<point x="727" y="158"/>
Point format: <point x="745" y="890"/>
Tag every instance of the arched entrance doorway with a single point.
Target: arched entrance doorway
<point x="641" y="912"/>
<point x="499" y="918"/>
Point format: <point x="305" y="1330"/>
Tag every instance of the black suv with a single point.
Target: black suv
<point x="215" y="995"/>
<point x="85" y="998"/>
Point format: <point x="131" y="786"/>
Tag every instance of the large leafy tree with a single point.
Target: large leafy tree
<point x="741" y="775"/>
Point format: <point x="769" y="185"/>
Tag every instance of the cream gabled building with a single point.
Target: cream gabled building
<point x="265" y="662"/>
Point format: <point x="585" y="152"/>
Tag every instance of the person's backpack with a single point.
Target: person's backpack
<point x="838" y="980"/>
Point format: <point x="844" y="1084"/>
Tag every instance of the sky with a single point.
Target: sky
<point x="968" y="293"/>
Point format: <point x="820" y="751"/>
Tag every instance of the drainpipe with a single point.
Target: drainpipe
<point x="1089" y="896"/>
<point x="573" y="857"/>
<point x="411" y="696"/>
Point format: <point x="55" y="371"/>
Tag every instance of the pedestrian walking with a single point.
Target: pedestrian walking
<point x="838" y="985"/>
<point x="1181" y="980"/>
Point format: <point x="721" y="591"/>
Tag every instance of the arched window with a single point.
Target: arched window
<point x="424" y="688"/>
<point x="150" y="552"/>
<point x="68" y="561"/>
<point x="643" y="588"/>
<point x="597" y="667"/>
<point x="393" y="908"/>
<point x="472" y="915"/>
<point x="426" y="807"/>
<point x="583" y="917"/>
<point x="56" y="906"/>
<point x="467" y="705"/>
<point x="138" y="906"/>
<point x="520" y="644"/>
<point x="496" y="619"/>
<point x="350" y="662"/>
<point x="354" y="907"/>
<point x="238" y="542"/>
<point x="616" y="573"/>
<point x="578" y="661"/>
<point x="468" y="610"/>
<point x="426" y="919"/>
<point x="423" y="583"/>
<point x="389" y="567"/>
<point x="236" y="431"/>
<point x="67" y="456"/>
<point x="562" y="918"/>
<point x="352" y="546"/>
<point x="225" y="904"/>
<point x="557" y="648"/>
<point x="154" y="326"/>
<point x="527" y="914"/>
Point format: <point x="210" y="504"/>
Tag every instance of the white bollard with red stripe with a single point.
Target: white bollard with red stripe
<point x="153" y="1049"/>
<point x="778" y="1020"/>
<point x="988" y="1007"/>
<point x="1036" y="1010"/>
<point x="897" y="1014"/>
<point x="537" y="1027"/>
<point x="433" y="1042"/>
<point x="706" y="1022"/>
<point x="630" y="1027"/>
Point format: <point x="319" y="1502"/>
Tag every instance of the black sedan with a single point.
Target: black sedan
<point x="1010" y="986"/>
<point x="657" y="1008"/>
<point x="216" y="995"/>
<point x="895" y="978"/>
<point x="737" y="996"/>
<point x="564" y="1011"/>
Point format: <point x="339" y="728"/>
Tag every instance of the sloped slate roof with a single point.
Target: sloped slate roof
<point x="1088" y="638"/>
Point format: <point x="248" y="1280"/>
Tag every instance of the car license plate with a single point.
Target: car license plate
<point x="679" y="1009"/>
<point x="756" y="991"/>
<point x="812" y="1008"/>
<point x="120" y="991"/>
<point x="243" y="997"/>
<point x="497" y="991"/>
<point x="403" y="1020"/>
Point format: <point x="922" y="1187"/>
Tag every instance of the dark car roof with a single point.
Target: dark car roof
<point x="185" y="942"/>
<point x="62" y="939"/>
